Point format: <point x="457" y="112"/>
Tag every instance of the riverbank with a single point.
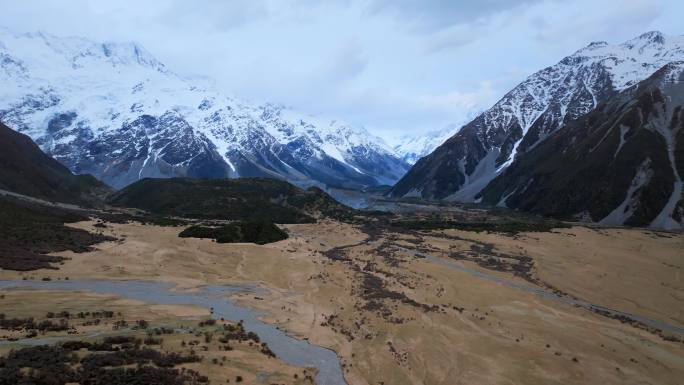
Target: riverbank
<point x="278" y="347"/>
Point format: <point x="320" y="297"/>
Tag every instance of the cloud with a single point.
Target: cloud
<point x="348" y="62"/>
<point x="392" y="111"/>
<point x="565" y="24"/>
<point x="213" y="15"/>
<point x="438" y="14"/>
<point x="393" y="65"/>
<point x="457" y="36"/>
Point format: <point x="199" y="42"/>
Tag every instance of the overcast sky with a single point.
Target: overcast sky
<point x="394" y="66"/>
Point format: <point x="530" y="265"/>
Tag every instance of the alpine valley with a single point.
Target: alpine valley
<point x="114" y="111"/>
<point x="155" y="231"/>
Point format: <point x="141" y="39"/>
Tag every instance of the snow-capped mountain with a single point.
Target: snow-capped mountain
<point x="547" y="100"/>
<point x="413" y="147"/>
<point x="621" y="164"/>
<point x="114" y="111"/>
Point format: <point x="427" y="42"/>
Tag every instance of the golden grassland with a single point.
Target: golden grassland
<point x="394" y="318"/>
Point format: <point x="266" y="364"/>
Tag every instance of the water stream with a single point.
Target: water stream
<point x="287" y="348"/>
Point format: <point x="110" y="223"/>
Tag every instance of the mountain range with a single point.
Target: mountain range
<point x="489" y="159"/>
<point x="595" y="137"/>
<point x="114" y="111"/>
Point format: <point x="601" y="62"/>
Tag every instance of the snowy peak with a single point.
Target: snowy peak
<point x="412" y="148"/>
<point x="534" y="111"/>
<point x="652" y="38"/>
<point x="634" y="60"/>
<point x="352" y="146"/>
<point x="75" y="53"/>
<point x="596" y="44"/>
<point x="115" y="111"/>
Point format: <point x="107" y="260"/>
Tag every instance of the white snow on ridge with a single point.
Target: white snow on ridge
<point x="548" y="98"/>
<point x="109" y="85"/>
<point x="627" y="64"/>
<point x="636" y="59"/>
<point x="411" y="148"/>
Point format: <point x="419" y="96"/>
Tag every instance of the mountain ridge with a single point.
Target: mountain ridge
<point x="114" y="111"/>
<point x="621" y="164"/>
<point x="462" y="166"/>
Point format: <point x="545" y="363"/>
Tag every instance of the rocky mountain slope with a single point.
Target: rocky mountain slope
<point x="114" y="111"/>
<point x="532" y="112"/>
<point x="26" y="170"/>
<point x="622" y="164"/>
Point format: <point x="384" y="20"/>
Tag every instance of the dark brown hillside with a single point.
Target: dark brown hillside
<point x="25" y="169"/>
<point x="618" y="154"/>
<point x="246" y="199"/>
<point x="29" y="231"/>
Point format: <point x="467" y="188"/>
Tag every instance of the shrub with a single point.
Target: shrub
<point x="252" y="232"/>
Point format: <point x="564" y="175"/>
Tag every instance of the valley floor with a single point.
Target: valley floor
<point x="395" y="316"/>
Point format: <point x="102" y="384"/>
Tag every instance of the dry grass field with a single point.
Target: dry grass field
<point x="395" y="318"/>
